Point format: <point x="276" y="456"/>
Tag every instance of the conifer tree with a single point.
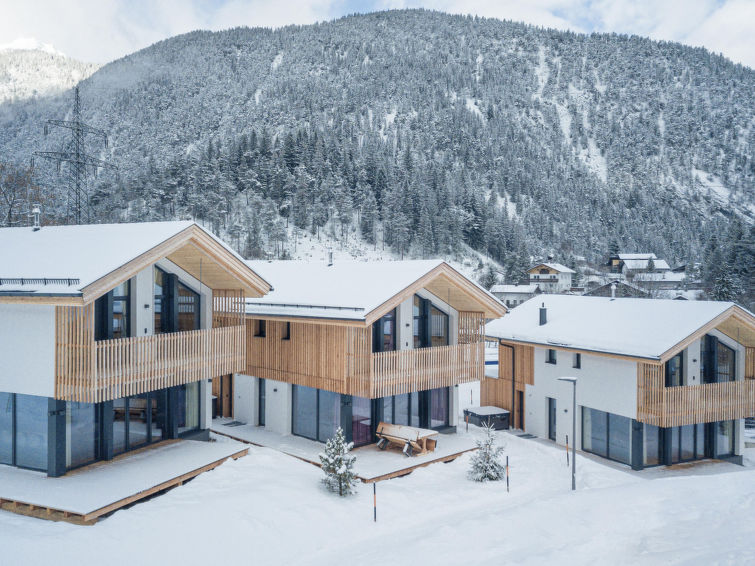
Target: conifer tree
<point x="486" y="462"/>
<point x="338" y="465"/>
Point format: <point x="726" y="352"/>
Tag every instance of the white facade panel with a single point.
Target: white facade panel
<point x="27" y="349"/>
<point x="278" y="406"/>
<point x="606" y="384"/>
<point x="245" y="398"/>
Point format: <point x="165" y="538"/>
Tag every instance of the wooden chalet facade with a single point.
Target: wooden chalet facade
<point x="400" y="347"/>
<point x="118" y="353"/>
<point x="683" y="403"/>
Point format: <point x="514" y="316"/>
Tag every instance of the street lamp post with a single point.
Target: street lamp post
<point x="573" y="381"/>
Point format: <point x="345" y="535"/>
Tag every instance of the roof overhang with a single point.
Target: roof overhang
<point x="198" y="253"/>
<point x="450" y="286"/>
<point x="735" y="322"/>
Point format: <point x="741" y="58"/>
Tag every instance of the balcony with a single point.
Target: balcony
<point x="95" y="371"/>
<point x="404" y="371"/>
<point x="689" y="404"/>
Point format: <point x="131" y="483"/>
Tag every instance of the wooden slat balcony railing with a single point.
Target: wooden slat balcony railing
<point x="404" y="371"/>
<point x="689" y="404"/>
<point x="110" y="369"/>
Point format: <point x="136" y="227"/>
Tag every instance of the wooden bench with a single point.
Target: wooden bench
<point x="413" y="440"/>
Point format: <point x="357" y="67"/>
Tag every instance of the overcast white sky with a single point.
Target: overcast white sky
<point x="103" y="30"/>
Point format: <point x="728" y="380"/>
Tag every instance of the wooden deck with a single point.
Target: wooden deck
<point x="64" y="501"/>
<point x="372" y="464"/>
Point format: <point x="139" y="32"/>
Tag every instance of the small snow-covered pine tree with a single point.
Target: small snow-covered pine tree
<point x="486" y="462"/>
<point x="338" y="464"/>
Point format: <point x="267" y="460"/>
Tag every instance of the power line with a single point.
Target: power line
<point x="76" y="157"/>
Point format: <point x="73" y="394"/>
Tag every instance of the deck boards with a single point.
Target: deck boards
<point x="85" y="495"/>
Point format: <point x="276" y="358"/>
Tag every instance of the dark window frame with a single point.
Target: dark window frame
<point x="286" y="332"/>
<point x="260" y="328"/>
<point x="577" y="361"/>
<point x="551" y="357"/>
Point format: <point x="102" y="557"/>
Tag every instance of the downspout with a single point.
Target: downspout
<point x="513" y="385"/>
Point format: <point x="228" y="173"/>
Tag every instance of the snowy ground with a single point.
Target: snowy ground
<point x="269" y="509"/>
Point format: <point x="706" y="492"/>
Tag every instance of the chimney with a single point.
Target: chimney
<point x="543" y="315"/>
<point x="330" y="258"/>
<point x="613" y="290"/>
<point x="35" y="213"/>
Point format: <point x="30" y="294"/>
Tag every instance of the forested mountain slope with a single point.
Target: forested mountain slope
<point x="29" y="69"/>
<point x="424" y="130"/>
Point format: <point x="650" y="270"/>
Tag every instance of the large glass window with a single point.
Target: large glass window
<point x="607" y="435"/>
<point x="120" y="425"/>
<point x="401" y="409"/>
<point x="387" y="409"/>
<point x="138" y="427"/>
<point x="653" y="446"/>
<point x="687" y="442"/>
<point x="304" y="411"/>
<point x="439" y="407"/>
<point x="188" y="309"/>
<point x="113" y="313"/>
<point x="414" y="412"/>
<point x="725" y="438"/>
<point x="159" y="283"/>
<point x="674" y="372"/>
<point x="419" y="312"/>
<point x="361" y="421"/>
<point x="81" y="434"/>
<point x="438" y="327"/>
<point x="6" y="428"/>
<point x="619" y="438"/>
<point x="726" y="368"/>
<point x="188" y="407"/>
<point x="384" y="333"/>
<point x="261" y="405"/>
<point x="31" y="431"/>
<point x="329" y="414"/>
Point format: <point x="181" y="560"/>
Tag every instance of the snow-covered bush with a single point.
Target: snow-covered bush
<point x="486" y="462"/>
<point x="338" y="464"/>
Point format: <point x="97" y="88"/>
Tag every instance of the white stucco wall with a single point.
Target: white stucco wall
<point x="143" y="319"/>
<point x="606" y="384"/>
<point x="27" y="349"/>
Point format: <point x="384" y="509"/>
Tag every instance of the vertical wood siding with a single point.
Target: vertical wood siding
<point x="690" y="404"/>
<point x="94" y="371"/>
<point x="497" y="392"/>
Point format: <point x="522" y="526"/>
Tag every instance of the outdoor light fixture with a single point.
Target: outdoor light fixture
<point x="573" y="381"/>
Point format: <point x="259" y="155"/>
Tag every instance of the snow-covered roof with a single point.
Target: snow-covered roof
<point x="63" y="260"/>
<point x="640" y="264"/>
<point x="345" y="290"/>
<point x="627" y="326"/>
<point x="555" y="266"/>
<point x="514" y="289"/>
<point x="637" y="256"/>
<point x="670" y="276"/>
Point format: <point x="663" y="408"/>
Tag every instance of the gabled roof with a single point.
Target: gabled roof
<point x="554" y="266"/>
<point x="628" y="327"/>
<point x="362" y="291"/>
<point x="77" y="264"/>
<point x="514" y="289"/>
<point x="641" y="264"/>
<point x="645" y="256"/>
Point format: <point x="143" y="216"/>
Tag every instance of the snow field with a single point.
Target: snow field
<point x="269" y="508"/>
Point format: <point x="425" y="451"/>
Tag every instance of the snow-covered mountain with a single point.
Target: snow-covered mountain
<point x="421" y="132"/>
<point x="30" y="69"/>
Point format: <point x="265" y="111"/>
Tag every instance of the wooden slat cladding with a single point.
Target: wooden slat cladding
<point x="335" y="358"/>
<point x="750" y="363"/>
<point x="689" y="404"/>
<point x="471" y="327"/>
<point x="497" y="392"/>
<point x="404" y="371"/>
<point x="228" y="308"/>
<point x="94" y="371"/>
<point x="340" y="359"/>
<point x="74" y="350"/>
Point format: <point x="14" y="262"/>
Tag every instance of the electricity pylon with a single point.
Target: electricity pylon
<point x="76" y="157"/>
